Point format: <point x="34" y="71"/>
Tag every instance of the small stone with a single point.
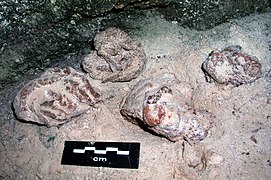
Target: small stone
<point x="194" y="157"/>
<point x="231" y="66"/>
<point x="213" y="158"/>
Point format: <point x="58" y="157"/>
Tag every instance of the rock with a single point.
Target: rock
<point x="213" y="158"/>
<point x="55" y="97"/>
<point x="194" y="156"/>
<point x="117" y="57"/>
<point x="199" y="157"/>
<point x="163" y="105"/>
<point x="206" y="14"/>
<point x="231" y="66"/>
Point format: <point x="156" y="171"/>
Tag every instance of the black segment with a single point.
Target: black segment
<point x="82" y="153"/>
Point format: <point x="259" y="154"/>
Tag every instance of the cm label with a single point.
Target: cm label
<point x="99" y="159"/>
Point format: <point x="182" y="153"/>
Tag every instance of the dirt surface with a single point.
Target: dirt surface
<point x="238" y="145"/>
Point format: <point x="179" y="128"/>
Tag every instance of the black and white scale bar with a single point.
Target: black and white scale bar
<point x="101" y="154"/>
